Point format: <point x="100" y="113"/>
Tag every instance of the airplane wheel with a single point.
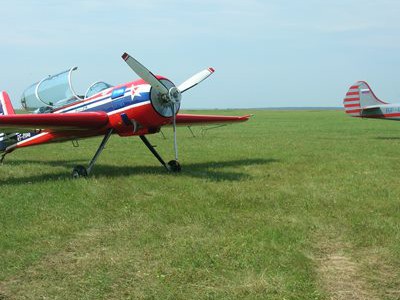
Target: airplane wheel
<point x="79" y="171"/>
<point x="174" y="166"/>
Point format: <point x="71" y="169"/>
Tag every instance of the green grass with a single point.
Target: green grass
<point x="258" y="208"/>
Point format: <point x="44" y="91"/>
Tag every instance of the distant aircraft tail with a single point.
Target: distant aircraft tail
<point x="6" y="108"/>
<point x="358" y="97"/>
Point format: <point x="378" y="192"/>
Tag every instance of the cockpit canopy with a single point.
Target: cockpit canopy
<point x="96" y="87"/>
<point x="56" y="91"/>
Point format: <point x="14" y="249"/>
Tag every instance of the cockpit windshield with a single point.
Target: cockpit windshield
<point x="56" y="91"/>
<point x="96" y="87"/>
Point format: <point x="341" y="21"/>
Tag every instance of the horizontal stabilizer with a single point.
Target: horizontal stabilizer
<point x="371" y="107"/>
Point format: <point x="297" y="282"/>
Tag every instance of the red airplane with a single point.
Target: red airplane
<point x="135" y="108"/>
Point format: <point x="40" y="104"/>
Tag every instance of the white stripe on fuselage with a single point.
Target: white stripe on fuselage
<point x="82" y="106"/>
<point x="94" y="102"/>
<point x="31" y="138"/>
<point x="85" y="106"/>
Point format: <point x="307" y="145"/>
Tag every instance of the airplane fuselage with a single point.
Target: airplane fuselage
<point x="128" y="107"/>
<point x="384" y="111"/>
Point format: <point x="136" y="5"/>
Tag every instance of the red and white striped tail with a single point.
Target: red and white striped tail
<point x="359" y="97"/>
<point x="6" y="107"/>
<point x="351" y="101"/>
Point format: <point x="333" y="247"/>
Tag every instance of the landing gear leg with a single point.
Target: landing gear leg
<point x="3" y="155"/>
<point x="81" y="171"/>
<point x="172" y="166"/>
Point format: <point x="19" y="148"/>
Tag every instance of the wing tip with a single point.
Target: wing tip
<point x="246" y="117"/>
<point x="211" y="69"/>
<point x="125" y="56"/>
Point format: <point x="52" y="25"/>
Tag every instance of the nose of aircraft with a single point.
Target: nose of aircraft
<point x="164" y="95"/>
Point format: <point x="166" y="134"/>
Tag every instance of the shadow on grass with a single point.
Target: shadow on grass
<point x="53" y="163"/>
<point x="390" y="138"/>
<point x="206" y="170"/>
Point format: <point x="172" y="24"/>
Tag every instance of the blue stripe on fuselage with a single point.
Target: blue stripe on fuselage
<point x="113" y="104"/>
<point x="12" y="139"/>
<point x="120" y="103"/>
<point x="83" y="104"/>
<point x="90" y="102"/>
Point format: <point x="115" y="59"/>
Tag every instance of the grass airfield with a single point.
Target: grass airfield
<point x="290" y="205"/>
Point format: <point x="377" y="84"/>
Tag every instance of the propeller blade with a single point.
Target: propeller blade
<point x="145" y="74"/>
<point x="195" y="79"/>
<point x="174" y="127"/>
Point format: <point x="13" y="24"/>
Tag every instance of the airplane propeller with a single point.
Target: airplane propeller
<point x="195" y="79"/>
<point x="167" y="97"/>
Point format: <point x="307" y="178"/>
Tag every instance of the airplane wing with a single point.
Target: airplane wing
<point x="188" y="119"/>
<point x="53" y="121"/>
<point x="371" y="111"/>
<point x="371" y="107"/>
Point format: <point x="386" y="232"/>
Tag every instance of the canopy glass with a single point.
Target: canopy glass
<point x="56" y="91"/>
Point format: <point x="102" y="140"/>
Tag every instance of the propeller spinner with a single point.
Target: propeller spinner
<point x="164" y="95"/>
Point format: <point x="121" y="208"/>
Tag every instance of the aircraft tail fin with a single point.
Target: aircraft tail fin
<point x="6" y="107"/>
<point x="358" y="97"/>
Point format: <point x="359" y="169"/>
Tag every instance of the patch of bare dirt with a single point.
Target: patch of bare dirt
<point x="340" y="275"/>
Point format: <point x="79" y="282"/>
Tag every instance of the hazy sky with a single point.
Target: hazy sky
<point x="266" y="53"/>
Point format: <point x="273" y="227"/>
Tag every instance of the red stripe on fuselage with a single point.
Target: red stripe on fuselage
<point x="49" y="136"/>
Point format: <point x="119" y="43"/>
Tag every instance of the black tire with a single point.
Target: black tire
<point x="174" y="166"/>
<point x="79" y="171"/>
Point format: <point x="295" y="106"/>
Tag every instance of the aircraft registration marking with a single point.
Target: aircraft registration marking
<point x="390" y="110"/>
<point x="24" y="136"/>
